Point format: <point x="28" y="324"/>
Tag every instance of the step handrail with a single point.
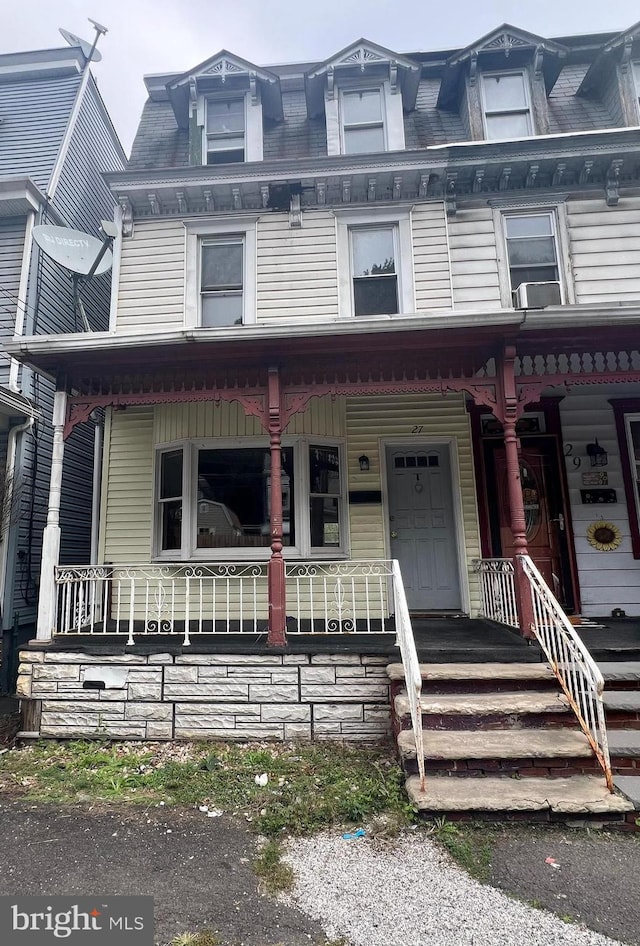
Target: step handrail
<point x="410" y="664"/>
<point x="576" y="670"/>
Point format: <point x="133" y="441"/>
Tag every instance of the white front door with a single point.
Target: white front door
<point x="422" y="525"/>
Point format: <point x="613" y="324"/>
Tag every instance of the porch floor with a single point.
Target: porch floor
<point x="612" y="638"/>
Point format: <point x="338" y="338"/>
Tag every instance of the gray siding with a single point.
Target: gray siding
<point x="34" y="117"/>
<point x="11" y="251"/>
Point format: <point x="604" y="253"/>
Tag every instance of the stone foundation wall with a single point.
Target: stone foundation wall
<point x="208" y="696"/>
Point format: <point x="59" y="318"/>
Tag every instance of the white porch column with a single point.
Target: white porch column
<point x="51" y="535"/>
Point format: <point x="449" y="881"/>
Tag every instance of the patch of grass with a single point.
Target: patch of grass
<point x="309" y="787"/>
<point x="276" y="876"/>
<point x="468" y="844"/>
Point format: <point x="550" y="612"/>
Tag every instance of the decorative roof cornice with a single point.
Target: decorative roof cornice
<point x="505" y="39"/>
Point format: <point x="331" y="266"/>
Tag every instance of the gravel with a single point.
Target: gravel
<point x="409" y="893"/>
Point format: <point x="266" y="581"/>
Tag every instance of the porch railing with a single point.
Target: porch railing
<point x="410" y="664"/>
<point x="497" y="587"/>
<point x="572" y="664"/>
<point x="162" y="599"/>
<point x="342" y="597"/>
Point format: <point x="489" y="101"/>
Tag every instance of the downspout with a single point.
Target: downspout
<point x="96" y="490"/>
<point x="10" y="468"/>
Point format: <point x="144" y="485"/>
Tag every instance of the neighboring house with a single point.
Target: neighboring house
<point x="56" y="141"/>
<point x="380" y="307"/>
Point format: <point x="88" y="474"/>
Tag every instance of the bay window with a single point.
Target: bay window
<point x="213" y="499"/>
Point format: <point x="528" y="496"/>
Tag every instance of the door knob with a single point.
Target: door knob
<point x="394" y="535"/>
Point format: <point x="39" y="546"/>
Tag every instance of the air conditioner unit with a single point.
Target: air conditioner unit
<point x="537" y="295"/>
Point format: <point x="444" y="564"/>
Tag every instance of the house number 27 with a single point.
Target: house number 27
<point x="417" y="429"/>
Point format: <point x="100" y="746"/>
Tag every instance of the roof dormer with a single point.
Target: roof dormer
<point x="500" y="83"/>
<point x="615" y="73"/>
<point x="222" y="102"/>
<point x="363" y="91"/>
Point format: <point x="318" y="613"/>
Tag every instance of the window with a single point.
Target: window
<point x="220" y="273"/>
<point x="375" y="263"/>
<point x="225" y="131"/>
<point x="221" y="281"/>
<point x="627" y="416"/>
<point x="375" y="282"/>
<point x="226" y="499"/>
<point x="362" y="121"/>
<point x="531" y="248"/>
<point x="507" y="112"/>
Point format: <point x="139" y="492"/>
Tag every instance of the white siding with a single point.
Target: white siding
<point x="605" y="250"/>
<point x="432" y="276"/>
<point x="151" y="291"/>
<point x="371" y="418"/>
<point x="474" y="261"/>
<point x="607" y="579"/>
<point x="297" y="268"/>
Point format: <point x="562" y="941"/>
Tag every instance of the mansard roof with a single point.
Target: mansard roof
<point x="506" y="45"/>
<point x="620" y="44"/>
<point x="220" y="72"/>
<point x="365" y="58"/>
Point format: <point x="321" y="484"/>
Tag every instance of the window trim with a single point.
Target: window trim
<point x="361" y="220"/>
<point x="625" y="409"/>
<point x="301" y="550"/>
<point x="392" y="114"/>
<point x="195" y="233"/>
<point x="517" y="111"/>
<point x="558" y="212"/>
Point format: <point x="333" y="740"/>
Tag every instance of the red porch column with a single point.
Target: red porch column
<point x="509" y="410"/>
<point x="277" y="585"/>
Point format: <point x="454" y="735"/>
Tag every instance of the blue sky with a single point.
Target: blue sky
<point x="147" y="36"/>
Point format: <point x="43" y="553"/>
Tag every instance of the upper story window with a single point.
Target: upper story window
<point x="627" y="417"/>
<point x="225" y="131"/>
<point x="222" y="281"/>
<point x="532" y="251"/>
<point x="375" y="263"/>
<point x="373" y="266"/>
<point x="362" y="121"/>
<point x="506" y="105"/>
<point x="220" y="273"/>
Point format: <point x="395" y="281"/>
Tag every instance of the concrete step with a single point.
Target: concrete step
<point x="622" y="701"/>
<point x="629" y="785"/>
<point x="619" y="671"/>
<point x="497" y="744"/>
<point x="517" y="672"/>
<point x="624" y="742"/>
<point x="520" y="703"/>
<point x="574" y="796"/>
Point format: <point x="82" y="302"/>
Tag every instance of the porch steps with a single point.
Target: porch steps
<point x="622" y="712"/>
<point x="501" y="742"/>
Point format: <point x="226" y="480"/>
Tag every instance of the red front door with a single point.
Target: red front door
<point x="543" y="511"/>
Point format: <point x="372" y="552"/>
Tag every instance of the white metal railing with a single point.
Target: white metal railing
<point x="162" y="599"/>
<point x="339" y="597"/>
<point x="575" y="668"/>
<point x="411" y="665"/>
<point x="497" y="587"/>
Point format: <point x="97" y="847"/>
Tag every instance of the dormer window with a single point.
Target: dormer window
<point x="225" y="131"/>
<point x="506" y="105"/>
<point x="362" y="121"/>
<point x="636" y="78"/>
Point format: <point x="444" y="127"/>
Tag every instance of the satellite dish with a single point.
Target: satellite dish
<point x="73" y="249"/>
<point x="88" y="51"/>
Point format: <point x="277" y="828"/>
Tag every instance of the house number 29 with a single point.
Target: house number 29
<point x="417" y="428"/>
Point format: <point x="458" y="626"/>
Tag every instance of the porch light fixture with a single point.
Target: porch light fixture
<point x="364" y="463"/>
<point x="597" y="454"/>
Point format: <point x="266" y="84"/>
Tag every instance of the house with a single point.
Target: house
<point x="372" y="355"/>
<point x="56" y="140"/>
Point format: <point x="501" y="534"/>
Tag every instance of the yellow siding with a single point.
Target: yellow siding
<point x="432" y="274"/>
<point x="297" y="273"/>
<point x="129" y="487"/>
<point x="370" y="419"/>
<point x="151" y="288"/>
